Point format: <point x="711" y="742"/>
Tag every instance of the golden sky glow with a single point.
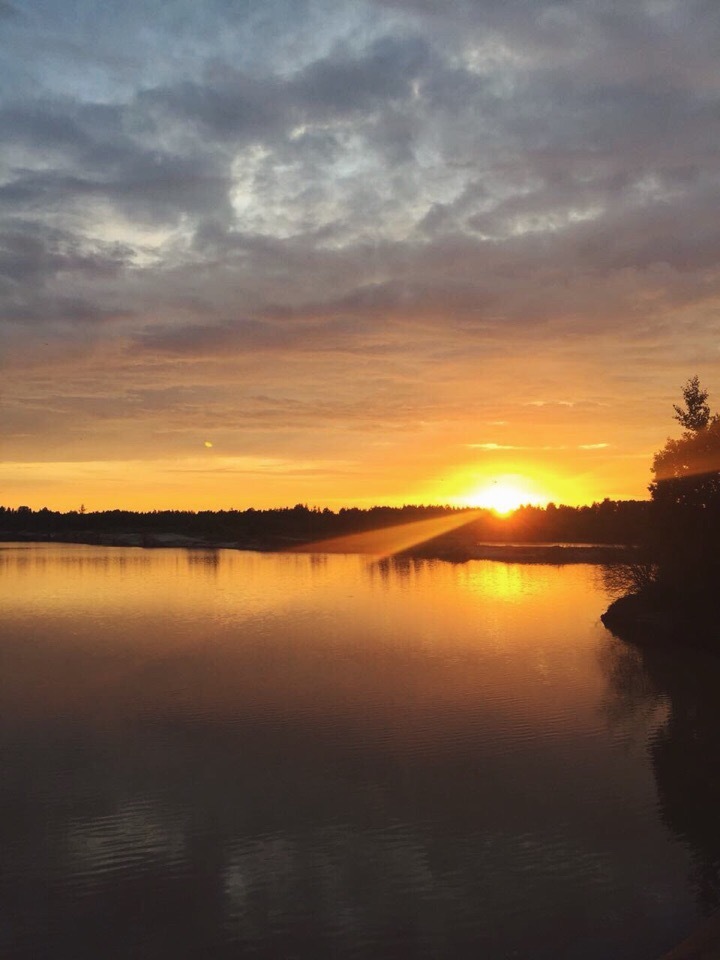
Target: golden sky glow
<point x="238" y="482"/>
<point x="258" y="255"/>
<point x="504" y="494"/>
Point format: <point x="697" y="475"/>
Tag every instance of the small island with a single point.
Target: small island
<point x="671" y="592"/>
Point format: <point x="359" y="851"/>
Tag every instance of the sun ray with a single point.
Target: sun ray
<point x="387" y="541"/>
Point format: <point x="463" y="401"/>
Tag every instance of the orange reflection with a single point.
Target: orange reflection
<point x="110" y="634"/>
<point x="507" y="582"/>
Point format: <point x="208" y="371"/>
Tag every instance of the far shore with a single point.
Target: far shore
<point x="548" y="553"/>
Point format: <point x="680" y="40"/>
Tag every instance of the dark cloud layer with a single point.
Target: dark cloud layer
<point x="332" y="183"/>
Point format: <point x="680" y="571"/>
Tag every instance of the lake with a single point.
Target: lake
<point x="220" y="754"/>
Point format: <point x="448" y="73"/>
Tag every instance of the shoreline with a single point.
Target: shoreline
<point x="556" y="554"/>
<point x="651" y="617"/>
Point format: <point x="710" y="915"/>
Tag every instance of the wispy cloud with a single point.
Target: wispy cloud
<point x="510" y="446"/>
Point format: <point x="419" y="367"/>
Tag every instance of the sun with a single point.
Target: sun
<point x="503" y="495"/>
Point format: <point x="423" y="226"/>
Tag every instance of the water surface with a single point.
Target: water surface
<point x="225" y="754"/>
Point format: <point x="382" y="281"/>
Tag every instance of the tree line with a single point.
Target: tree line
<point x="610" y="521"/>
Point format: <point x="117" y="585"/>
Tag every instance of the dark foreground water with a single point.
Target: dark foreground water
<point x="221" y="755"/>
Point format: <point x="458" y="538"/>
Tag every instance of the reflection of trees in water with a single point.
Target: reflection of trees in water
<point x="206" y="560"/>
<point x="685" y="748"/>
<point x="397" y="567"/>
<point x="632" y="694"/>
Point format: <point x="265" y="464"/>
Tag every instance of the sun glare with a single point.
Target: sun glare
<point x="504" y="495"/>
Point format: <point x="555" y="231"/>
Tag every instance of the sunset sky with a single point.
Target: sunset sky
<point x="343" y="252"/>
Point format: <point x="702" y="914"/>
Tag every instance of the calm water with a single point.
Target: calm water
<point x="220" y="755"/>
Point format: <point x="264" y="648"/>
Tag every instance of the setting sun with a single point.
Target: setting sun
<point x="505" y="494"/>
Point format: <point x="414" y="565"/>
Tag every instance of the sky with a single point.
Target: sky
<point x="340" y="252"/>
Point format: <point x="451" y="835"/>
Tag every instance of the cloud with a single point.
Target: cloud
<point x="30" y="252"/>
<point x="199" y="339"/>
<point x="302" y="335"/>
<point x="510" y="446"/>
<point x="8" y="10"/>
<point x="415" y="206"/>
<point x="494" y="446"/>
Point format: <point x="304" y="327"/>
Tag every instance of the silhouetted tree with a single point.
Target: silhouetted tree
<point x="686" y="498"/>
<point x="696" y="414"/>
